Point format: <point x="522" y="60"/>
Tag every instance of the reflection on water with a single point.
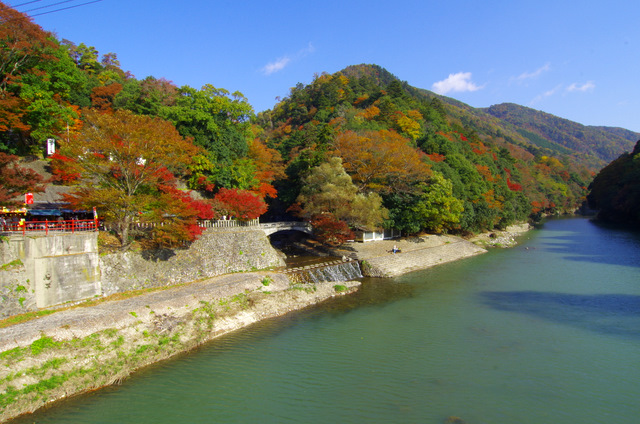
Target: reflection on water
<point x="596" y="243"/>
<point x="616" y="314"/>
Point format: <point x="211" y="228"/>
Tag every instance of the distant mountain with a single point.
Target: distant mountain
<point x="538" y="132"/>
<point x="549" y="131"/>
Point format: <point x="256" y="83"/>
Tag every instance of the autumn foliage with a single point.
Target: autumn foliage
<point x="330" y="230"/>
<point x="16" y="180"/>
<point x="380" y="160"/>
<point x="126" y="165"/>
<point x="409" y="159"/>
<point x="240" y="204"/>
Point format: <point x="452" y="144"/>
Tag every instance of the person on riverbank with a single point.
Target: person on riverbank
<point x="395" y="249"/>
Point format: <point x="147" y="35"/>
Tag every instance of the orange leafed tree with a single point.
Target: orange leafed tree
<point x="125" y="162"/>
<point x="22" y="46"/>
<point x="102" y="96"/>
<point x="380" y="160"/>
<point x="269" y="167"/>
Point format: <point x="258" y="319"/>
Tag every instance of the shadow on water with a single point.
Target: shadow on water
<point x="611" y="314"/>
<point x="617" y="245"/>
<point x="373" y="292"/>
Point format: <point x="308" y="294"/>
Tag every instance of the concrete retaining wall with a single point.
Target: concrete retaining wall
<point x="39" y="272"/>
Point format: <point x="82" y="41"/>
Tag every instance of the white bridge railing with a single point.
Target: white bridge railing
<point x="268" y="227"/>
<point x="228" y="223"/>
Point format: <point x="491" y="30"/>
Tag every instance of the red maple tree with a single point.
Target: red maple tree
<point x="16" y="180"/>
<point x="240" y="204"/>
<point x="330" y="230"/>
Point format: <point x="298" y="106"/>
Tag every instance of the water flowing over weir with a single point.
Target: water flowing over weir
<point x="328" y="271"/>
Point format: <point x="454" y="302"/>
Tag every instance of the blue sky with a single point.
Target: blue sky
<point x="576" y="60"/>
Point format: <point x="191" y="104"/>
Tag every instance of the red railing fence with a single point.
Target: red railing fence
<point x="71" y="226"/>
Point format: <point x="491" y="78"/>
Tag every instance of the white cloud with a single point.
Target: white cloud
<point x="307" y="50"/>
<point x="281" y="63"/>
<point x="455" y="83"/>
<point x="535" y="74"/>
<point x="276" y="66"/>
<point x="546" y="94"/>
<point x="587" y="86"/>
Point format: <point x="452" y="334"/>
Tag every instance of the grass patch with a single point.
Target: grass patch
<point x="13" y="354"/>
<point x="118" y="342"/>
<point x="307" y="288"/>
<point x="143" y="348"/>
<point x="37" y="371"/>
<point x="43" y="343"/>
<point x="339" y="288"/>
<point x="12" y="264"/>
<point x="241" y="299"/>
<point x="266" y="281"/>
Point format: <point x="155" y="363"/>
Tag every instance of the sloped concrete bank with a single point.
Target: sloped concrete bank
<point x="415" y="254"/>
<point x="50" y="271"/>
<point x="78" y="350"/>
<point x="217" y="251"/>
<point x="420" y="259"/>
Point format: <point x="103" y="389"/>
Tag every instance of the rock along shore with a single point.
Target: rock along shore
<point x="81" y="349"/>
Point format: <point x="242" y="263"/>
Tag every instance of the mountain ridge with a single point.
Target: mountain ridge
<point x="601" y="144"/>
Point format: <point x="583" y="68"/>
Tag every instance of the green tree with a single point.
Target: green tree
<point x="146" y="97"/>
<point x="215" y="119"/>
<point x="615" y="191"/>
<point x="430" y="207"/>
<point x="329" y="189"/>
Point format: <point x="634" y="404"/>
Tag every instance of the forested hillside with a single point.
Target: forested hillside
<point x="431" y="165"/>
<point x="615" y="191"/>
<point x="354" y="150"/>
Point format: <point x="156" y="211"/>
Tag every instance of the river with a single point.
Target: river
<point x="546" y="332"/>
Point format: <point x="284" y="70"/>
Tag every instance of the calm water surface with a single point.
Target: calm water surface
<point x="547" y="332"/>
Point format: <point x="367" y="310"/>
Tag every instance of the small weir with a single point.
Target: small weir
<point x="326" y="271"/>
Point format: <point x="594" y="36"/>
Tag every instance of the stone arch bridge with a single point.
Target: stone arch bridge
<point x="268" y="227"/>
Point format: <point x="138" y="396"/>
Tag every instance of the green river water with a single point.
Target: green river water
<point x="546" y="332"/>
